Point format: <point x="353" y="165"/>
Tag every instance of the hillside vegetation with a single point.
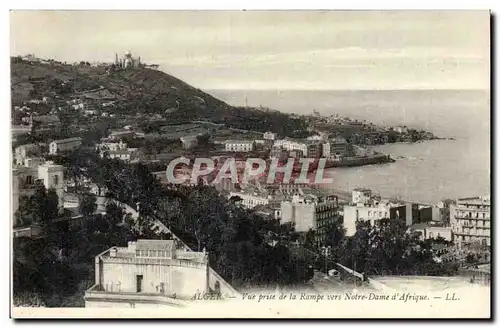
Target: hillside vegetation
<point x="144" y="91"/>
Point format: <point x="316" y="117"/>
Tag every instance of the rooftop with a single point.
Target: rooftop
<point x="474" y="200"/>
<point x="427" y="225"/>
<point x="361" y="189"/>
<point x="68" y="140"/>
<point x="121" y="151"/>
<point x="46" y="119"/>
<point x="163" y="245"/>
<point x="242" y="141"/>
<point x="27" y="146"/>
<point x="156" y="250"/>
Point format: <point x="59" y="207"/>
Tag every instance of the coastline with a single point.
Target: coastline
<point x="361" y="161"/>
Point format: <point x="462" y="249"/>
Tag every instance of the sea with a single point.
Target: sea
<point x="425" y="172"/>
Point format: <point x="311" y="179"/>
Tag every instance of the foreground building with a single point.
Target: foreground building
<point x="148" y="273"/>
<point x="470" y="221"/>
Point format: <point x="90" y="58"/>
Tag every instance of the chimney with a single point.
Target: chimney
<point x="112" y="252"/>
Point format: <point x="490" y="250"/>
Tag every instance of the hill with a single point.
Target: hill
<point x="143" y="91"/>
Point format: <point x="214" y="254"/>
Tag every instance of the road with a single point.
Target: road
<point x="323" y="284"/>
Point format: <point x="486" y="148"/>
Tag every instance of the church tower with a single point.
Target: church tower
<point x="116" y="59"/>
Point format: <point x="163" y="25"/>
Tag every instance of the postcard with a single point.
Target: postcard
<point x="250" y="164"/>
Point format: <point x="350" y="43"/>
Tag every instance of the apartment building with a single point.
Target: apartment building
<point x="471" y="221"/>
<point x="307" y="148"/>
<point x="310" y="212"/>
<point x="240" y="145"/>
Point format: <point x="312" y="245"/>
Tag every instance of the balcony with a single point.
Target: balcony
<point x="467" y="217"/>
<point x="472" y="233"/>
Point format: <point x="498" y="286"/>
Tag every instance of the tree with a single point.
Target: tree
<point x="202" y="141"/>
<point x="335" y="238"/>
<point x="42" y="207"/>
<point x="310" y="240"/>
<point x="235" y="199"/>
<point x="88" y="204"/>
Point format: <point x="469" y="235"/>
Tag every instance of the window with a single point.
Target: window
<point x="56" y="180"/>
<point x="29" y="179"/>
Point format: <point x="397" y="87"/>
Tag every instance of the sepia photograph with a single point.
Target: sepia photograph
<point x="250" y="164"/>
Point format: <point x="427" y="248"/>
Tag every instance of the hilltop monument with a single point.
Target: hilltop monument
<point x="128" y="61"/>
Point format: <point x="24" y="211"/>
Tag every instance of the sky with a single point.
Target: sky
<point x="274" y="50"/>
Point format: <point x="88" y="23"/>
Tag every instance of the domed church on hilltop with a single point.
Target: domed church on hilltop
<point x="128" y="61"/>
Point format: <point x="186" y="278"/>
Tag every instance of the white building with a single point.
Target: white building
<point x="79" y="106"/>
<point x="190" y="141"/>
<point x="401" y="129"/>
<point x="252" y="199"/>
<point x="23" y="152"/>
<point x="148" y="274"/>
<point x="123" y="154"/>
<point x="121" y="133"/>
<point x="64" y="145"/>
<point x="368" y="207"/>
<point x="337" y="147"/>
<point x="240" y="145"/>
<point x="111" y="146"/>
<point x="432" y="231"/>
<point x="318" y="137"/>
<point x="310" y="212"/>
<point x="270" y="136"/>
<point x="289" y="145"/>
<point x="361" y="195"/>
<point x="364" y="212"/>
<point x="309" y="148"/>
<point x="24" y="180"/>
<point x="470" y="221"/>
